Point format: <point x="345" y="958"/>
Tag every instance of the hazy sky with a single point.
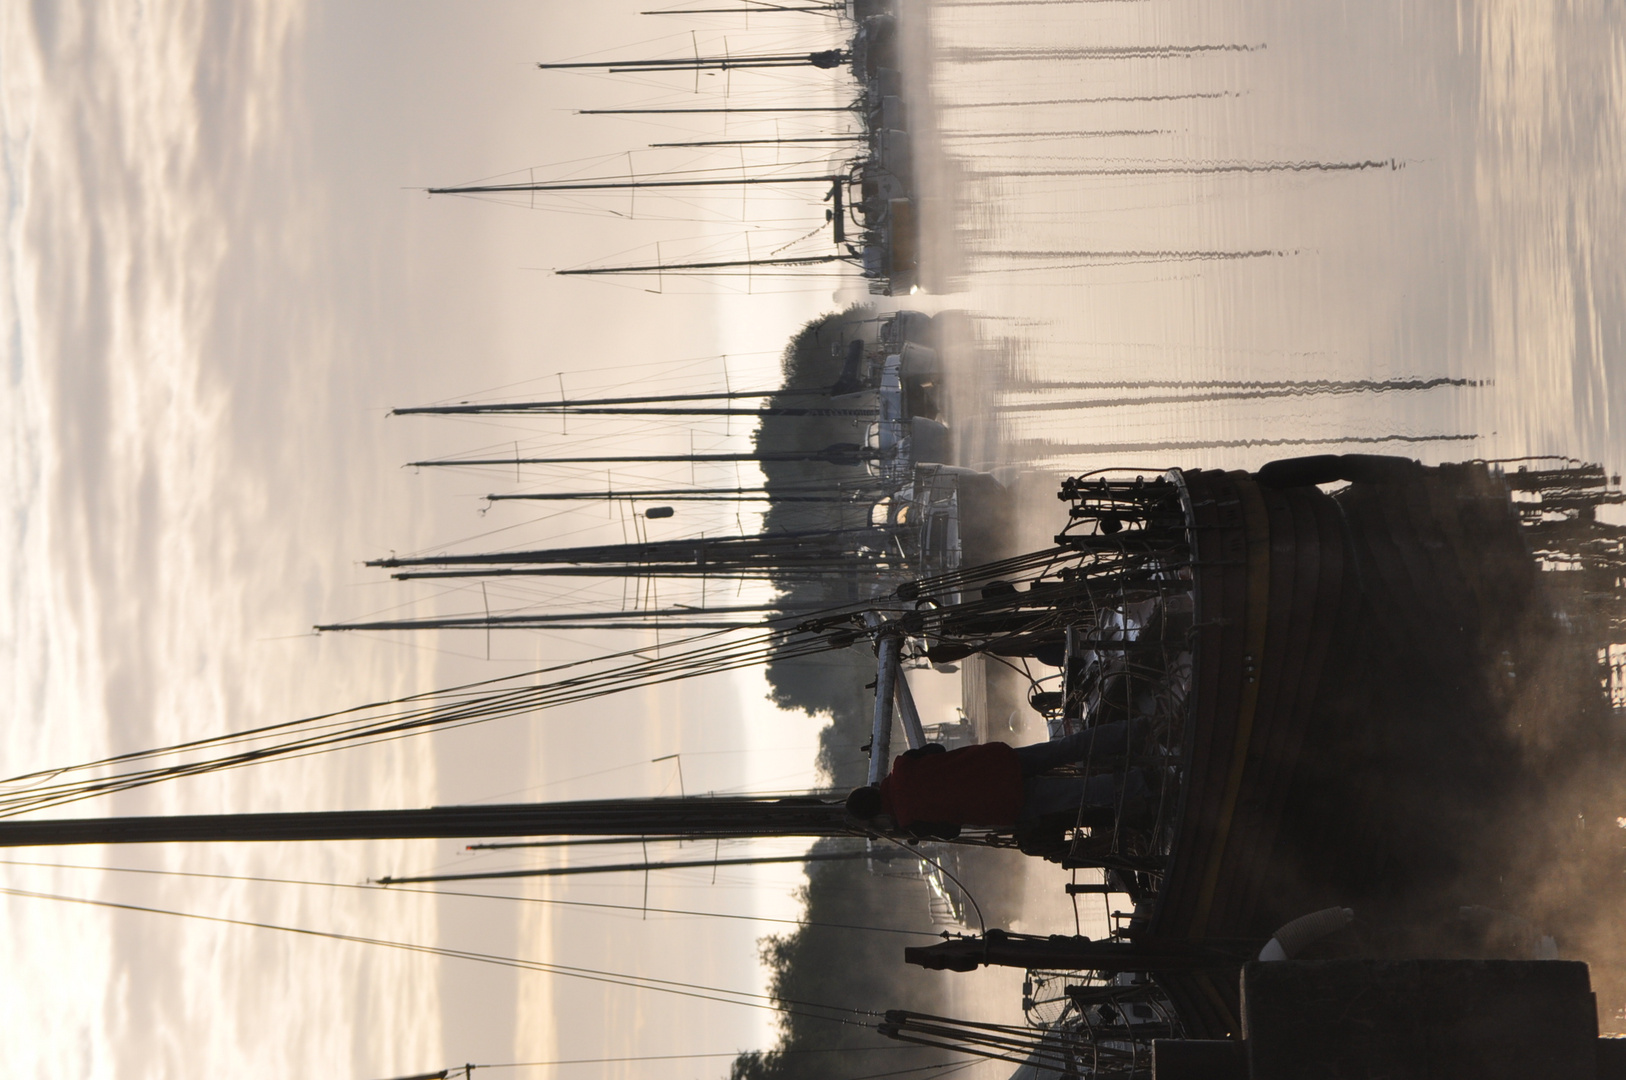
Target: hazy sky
<point x="219" y="270"/>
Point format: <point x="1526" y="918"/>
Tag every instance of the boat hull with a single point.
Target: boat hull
<point x="1351" y="737"/>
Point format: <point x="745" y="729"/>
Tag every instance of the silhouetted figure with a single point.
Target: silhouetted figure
<point x="934" y="792"/>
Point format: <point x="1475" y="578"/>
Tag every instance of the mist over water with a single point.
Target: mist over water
<point x="1100" y="52"/>
<point x="1034" y="449"/>
<point x="1091" y="100"/>
<point x="1047" y="136"/>
<point x="1149" y="256"/>
<point x="1248" y="388"/>
<point x="1382" y="199"/>
<point x="1178" y="168"/>
<point x="1052" y="404"/>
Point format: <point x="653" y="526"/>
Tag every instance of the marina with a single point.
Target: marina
<point x="1123" y="608"/>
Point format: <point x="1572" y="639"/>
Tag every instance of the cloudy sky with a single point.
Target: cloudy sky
<point x="219" y="270"/>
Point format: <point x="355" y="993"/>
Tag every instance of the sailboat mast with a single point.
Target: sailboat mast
<point x="733" y="573"/>
<point x="633" y="867"/>
<point x="555" y="406"/>
<point x="856" y="106"/>
<point x="700" y="817"/>
<point x="659" y="410"/>
<point x="765" y="549"/>
<point x="631" y="185"/>
<point x="508" y="622"/>
<point x="839" y="454"/>
<point x="788" y="140"/>
<point x="825" y="59"/>
<point x="673" y="495"/>
<point x="726" y="264"/>
<point x="751" y="9"/>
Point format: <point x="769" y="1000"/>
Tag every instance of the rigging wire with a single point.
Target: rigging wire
<point x="941" y="869"/>
<point x="681" y="1057"/>
<point x="329" y="720"/>
<point x="945" y="1068"/>
<point x="839" y="1014"/>
<point x="391" y="726"/>
<point x="796" y="635"/>
<point x="594" y="905"/>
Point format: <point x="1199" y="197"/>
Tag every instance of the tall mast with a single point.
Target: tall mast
<point x="633" y="867"/>
<point x="555" y="406"/>
<point x="825" y="59"/>
<point x="727" y="264"/>
<point x="751" y="9"/>
<point x="586" y="618"/>
<point x="631" y="185"/>
<point x="725" y="109"/>
<point x="837" y="454"/>
<point x="835" y="216"/>
<point x="699" y="817"/>
<point x="677" y="495"/>
<point x="661" y="410"/>
<point x="768" y="557"/>
<point x="834" y="546"/>
<point x="765" y="573"/>
<point x="788" y="140"/>
<point x="682" y="625"/>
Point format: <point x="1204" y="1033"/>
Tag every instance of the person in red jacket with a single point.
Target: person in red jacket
<point x="932" y="791"/>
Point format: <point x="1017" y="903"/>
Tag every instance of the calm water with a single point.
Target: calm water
<point x="1478" y="247"/>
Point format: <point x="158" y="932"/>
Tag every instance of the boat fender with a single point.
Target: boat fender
<point x="947" y="652"/>
<point x="1300" y="471"/>
<point x="888" y="82"/>
<point x="1051" y="653"/>
<point x="1047" y="701"/>
<point x="1331" y="468"/>
<point x="1305" y="931"/>
<point x="930" y="441"/>
<point x="919" y="361"/>
<point x="1378" y="468"/>
<point x="851" y="381"/>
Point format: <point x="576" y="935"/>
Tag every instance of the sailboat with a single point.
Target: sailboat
<point x="885" y="248"/>
<point x="1355" y="675"/>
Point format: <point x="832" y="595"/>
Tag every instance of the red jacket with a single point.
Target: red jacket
<point x="977" y="785"/>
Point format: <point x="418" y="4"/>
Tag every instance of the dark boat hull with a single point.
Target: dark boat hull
<point x="1351" y="737"/>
